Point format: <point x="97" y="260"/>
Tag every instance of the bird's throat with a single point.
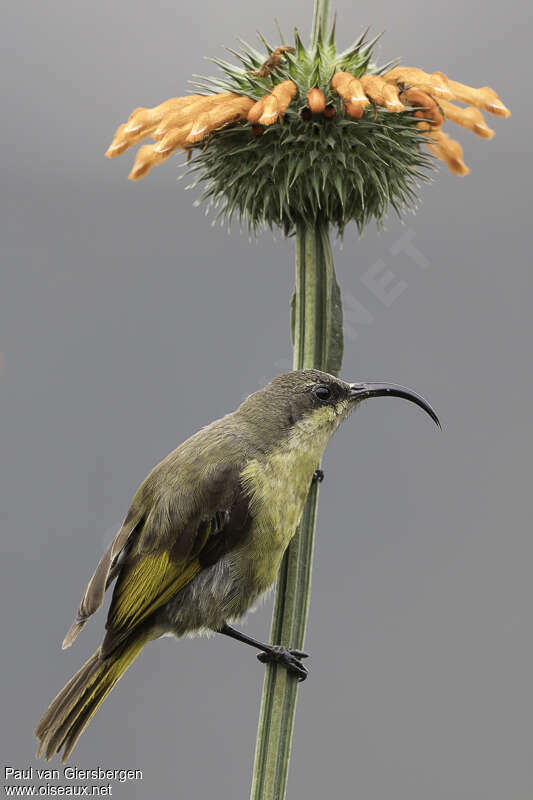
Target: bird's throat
<point x="278" y="485"/>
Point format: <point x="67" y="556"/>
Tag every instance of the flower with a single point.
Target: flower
<point x="309" y="131"/>
<point x="178" y="123"/>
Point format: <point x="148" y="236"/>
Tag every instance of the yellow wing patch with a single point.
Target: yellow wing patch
<point x="146" y="586"/>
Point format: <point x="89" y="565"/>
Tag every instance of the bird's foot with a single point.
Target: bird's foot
<point x="290" y="659"/>
<point x="318" y="475"/>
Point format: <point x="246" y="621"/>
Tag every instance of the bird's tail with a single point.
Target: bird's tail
<point x="71" y="711"/>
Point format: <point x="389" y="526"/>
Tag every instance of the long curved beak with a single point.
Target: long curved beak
<point x="362" y="391"/>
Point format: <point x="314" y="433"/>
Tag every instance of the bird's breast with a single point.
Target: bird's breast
<point x="277" y="486"/>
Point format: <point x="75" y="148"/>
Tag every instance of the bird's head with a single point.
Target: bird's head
<point x="315" y="403"/>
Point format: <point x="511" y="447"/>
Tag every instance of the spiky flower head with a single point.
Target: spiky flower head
<point x="299" y="133"/>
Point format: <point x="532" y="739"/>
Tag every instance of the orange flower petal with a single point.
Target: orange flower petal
<point x="429" y="110"/>
<point x="284" y="93"/>
<point x="223" y="113"/>
<point x="271" y="110"/>
<point x="485" y="98"/>
<point x="352" y="92"/>
<point x="316" y="100"/>
<point x="200" y="128"/>
<point x="382" y="93"/>
<point x="236" y="107"/>
<point x="349" y="88"/>
<point x="448" y="150"/>
<point x="145" y="160"/>
<point x="285" y="87"/>
<point x="187" y="114"/>
<point x="355" y="109"/>
<point x="339" y="81"/>
<point x="172" y="140"/>
<point x="469" y="118"/>
<point x="119" y="143"/>
<point x="391" y="98"/>
<point x="436" y="84"/>
<point x="123" y="141"/>
<point x="145" y="117"/>
<point x="256" y="111"/>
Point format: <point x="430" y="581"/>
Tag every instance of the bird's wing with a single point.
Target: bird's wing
<point x="103" y="575"/>
<point x="169" y="550"/>
<point x="182" y="519"/>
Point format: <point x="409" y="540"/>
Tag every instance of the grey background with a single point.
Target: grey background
<point x="127" y="322"/>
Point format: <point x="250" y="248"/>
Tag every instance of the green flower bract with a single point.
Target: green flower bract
<point x="340" y="169"/>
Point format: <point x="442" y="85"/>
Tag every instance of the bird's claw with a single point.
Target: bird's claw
<point x="318" y="475"/>
<point x="289" y="658"/>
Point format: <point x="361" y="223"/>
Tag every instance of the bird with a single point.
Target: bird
<point x="205" y="535"/>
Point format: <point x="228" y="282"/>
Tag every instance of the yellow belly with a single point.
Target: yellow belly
<point x="278" y="488"/>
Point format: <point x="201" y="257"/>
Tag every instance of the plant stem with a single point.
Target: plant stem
<point x="317" y="341"/>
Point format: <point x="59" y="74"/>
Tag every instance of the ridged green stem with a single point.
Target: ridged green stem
<point x="317" y="341"/>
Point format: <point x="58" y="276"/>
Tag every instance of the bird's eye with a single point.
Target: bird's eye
<point x="322" y="393"/>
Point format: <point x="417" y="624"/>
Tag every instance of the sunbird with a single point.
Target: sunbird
<point x="205" y="534"/>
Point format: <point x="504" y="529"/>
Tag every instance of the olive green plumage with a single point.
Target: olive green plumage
<point x="205" y="533"/>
